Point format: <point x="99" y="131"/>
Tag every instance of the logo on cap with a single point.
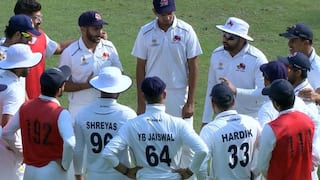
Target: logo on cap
<point x="98" y="16"/>
<point x="230" y="23"/>
<point x="164" y="3"/>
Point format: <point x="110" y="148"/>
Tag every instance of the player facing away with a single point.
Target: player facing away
<point x="46" y="130"/>
<point x="98" y="122"/>
<point x="156" y="139"/>
<point x="231" y="138"/>
<point x="285" y="145"/>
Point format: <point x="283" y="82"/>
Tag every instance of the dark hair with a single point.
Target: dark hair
<point x="9" y="32"/>
<point x="26" y="7"/>
<point x="153" y="99"/>
<point x="285" y="103"/>
<point x="48" y="91"/>
<point x="224" y="106"/>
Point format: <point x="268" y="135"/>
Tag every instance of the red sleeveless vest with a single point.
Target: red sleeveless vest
<point x="33" y="87"/>
<point x="41" y="139"/>
<point x="292" y="154"/>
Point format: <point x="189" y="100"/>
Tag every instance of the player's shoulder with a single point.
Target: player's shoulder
<point x="218" y="50"/>
<point x="147" y="28"/>
<point x="183" y="25"/>
<point x="74" y="46"/>
<point x="256" y="53"/>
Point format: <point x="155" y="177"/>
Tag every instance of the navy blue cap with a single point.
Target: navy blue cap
<point x="274" y="70"/>
<point x="91" y="18"/>
<point x="53" y="78"/>
<point x="299" y="30"/>
<point x="153" y="86"/>
<point x="222" y="94"/>
<point x="22" y="23"/>
<point x="3" y="87"/>
<point x="297" y="60"/>
<point x="279" y="90"/>
<point x="164" y="6"/>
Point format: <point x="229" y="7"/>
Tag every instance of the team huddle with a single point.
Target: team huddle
<point x="260" y="119"/>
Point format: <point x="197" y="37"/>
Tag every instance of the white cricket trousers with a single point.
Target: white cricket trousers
<point x="51" y="171"/>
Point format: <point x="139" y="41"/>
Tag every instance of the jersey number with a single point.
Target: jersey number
<point x="234" y="151"/>
<point x="153" y="158"/>
<point x="97" y="143"/>
<point x="38" y="132"/>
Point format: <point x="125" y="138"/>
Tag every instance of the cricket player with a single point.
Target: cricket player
<point x="97" y="123"/>
<point x="156" y="139"/>
<point x="232" y="138"/>
<point x="46" y="130"/>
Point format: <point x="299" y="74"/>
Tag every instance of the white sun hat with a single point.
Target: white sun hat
<point x="237" y="27"/>
<point x="111" y="80"/>
<point x="20" y="56"/>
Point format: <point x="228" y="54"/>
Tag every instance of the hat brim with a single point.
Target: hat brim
<point x="34" y="32"/>
<point x="33" y="60"/>
<point x="66" y="71"/>
<point x="122" y="84"/>
<point x="3" y="87"/>
<point x="284" y="60"/>
<point x="222" y="28"/>
<point x="266" y="90"/>
<point x="288" y="35"/>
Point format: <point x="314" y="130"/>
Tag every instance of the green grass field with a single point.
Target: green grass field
<point x="267" y="19"/>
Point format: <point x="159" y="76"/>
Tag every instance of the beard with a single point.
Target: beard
<point x="93" y="38"/>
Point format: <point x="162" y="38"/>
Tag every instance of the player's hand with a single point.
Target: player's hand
<point x="132" y="172"/>
<point x="308" y="94"/>
<point x="188" y="110"/>
<point x="228" y="83"/>
<point x="184" y="173"/>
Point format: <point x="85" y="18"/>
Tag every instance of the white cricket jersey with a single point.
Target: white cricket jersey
<point x="243" y="70"/>
<point x="12" y="98"/>
<point x="232" y="139"/>
<point x="95" y="125"/>
<point x="267" y="112"/>
<point x="314" y="73"/>
<point x="167" y="53"/>
<point x="82" y="63"/>
<point x="155" y="139"/>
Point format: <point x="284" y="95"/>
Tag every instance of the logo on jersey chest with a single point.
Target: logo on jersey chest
<point x="2" y="55"/>
<point x="241" y="67"/>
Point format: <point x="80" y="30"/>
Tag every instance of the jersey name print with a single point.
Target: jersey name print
<point x="101" y="125"/>
<point x="155" y="137"/>
<point x="236" y="135"/>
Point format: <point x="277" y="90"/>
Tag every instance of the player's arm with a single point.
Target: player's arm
<point x="67" y="135"/>
<point x="5" y="119"/>
<point x="62" y="45"/>
<point x="193" y="140"/>
<point x="78" y="149"/>
<point x="188" y="108"/>
<point x="72" y="86"/>
<point x="9" y="136"/>
<point x="140" y="76"/>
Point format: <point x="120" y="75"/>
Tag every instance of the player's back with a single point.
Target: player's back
<point x="156" y="139"/>
<point x="231" y="146"/>
<point x="98" y="123"/>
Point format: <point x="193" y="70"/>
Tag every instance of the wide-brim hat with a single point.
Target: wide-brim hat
<point x="237" y="27"/>
<point x="111" y="80"/>
<point x="20" y="56"/>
